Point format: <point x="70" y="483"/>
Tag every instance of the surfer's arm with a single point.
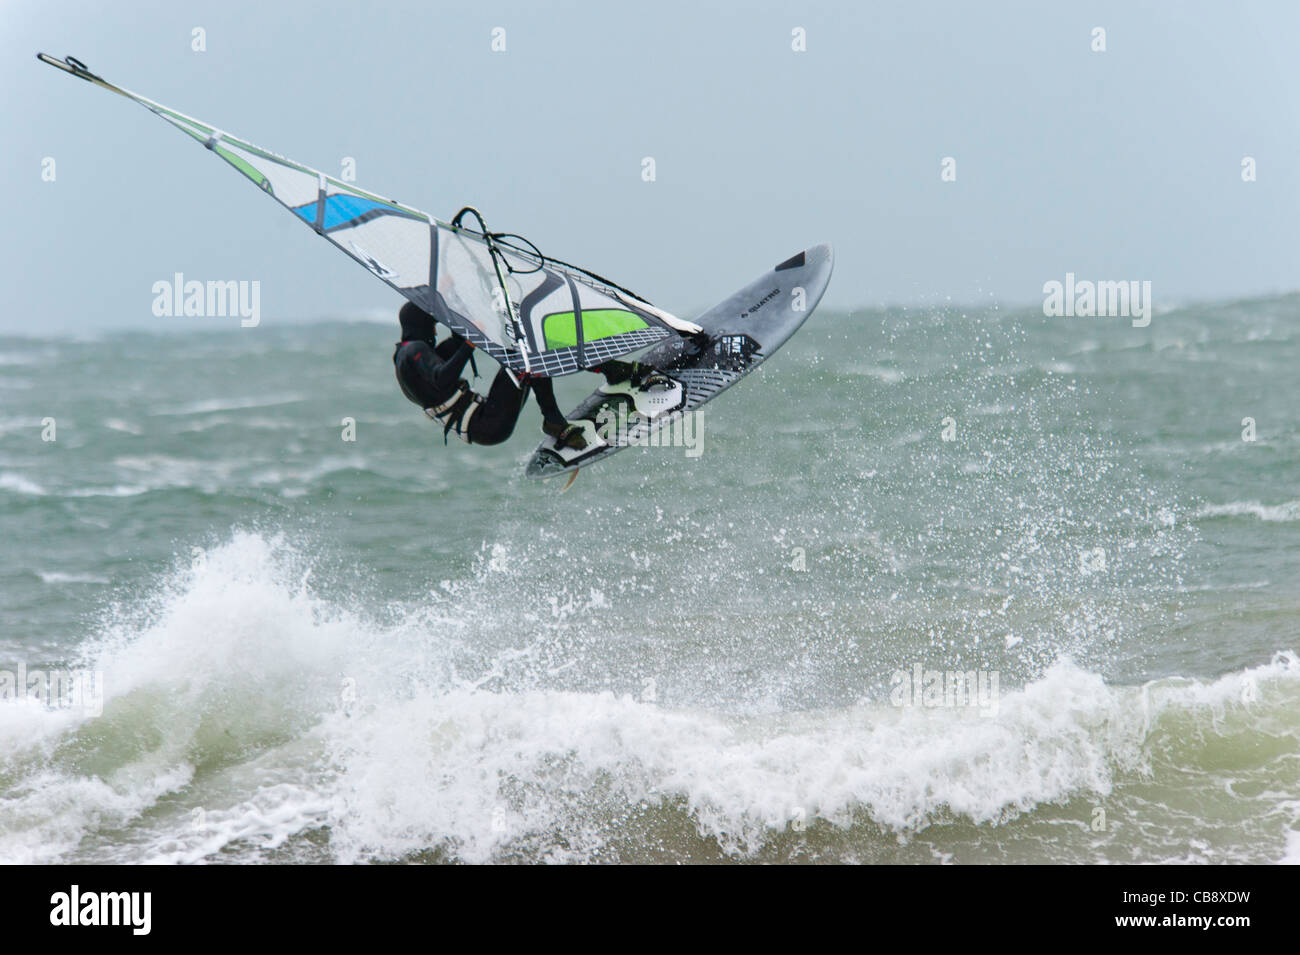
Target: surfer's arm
<point x="454" y="352"/>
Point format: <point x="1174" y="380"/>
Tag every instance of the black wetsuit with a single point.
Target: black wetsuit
<point x="430" y="375"/>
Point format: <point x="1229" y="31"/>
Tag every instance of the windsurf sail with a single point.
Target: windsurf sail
<point x="528" y="312"/>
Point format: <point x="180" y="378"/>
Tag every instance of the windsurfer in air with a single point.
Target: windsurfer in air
<point x="429" y="374"/>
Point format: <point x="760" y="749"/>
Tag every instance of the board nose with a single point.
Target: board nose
<point x="820" y="252"/>
<point x="815" y="256"/>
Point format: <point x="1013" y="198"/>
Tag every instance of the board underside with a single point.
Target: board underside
<point x="743" y="331"/>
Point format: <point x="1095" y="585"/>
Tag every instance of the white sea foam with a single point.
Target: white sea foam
<point x="9" y="481"/>
<point x="1290" y="511"/>
<point x="54" y="577"/>
<point x="885" y="375"/>
<point x="233" y="404"/>
<point x="379" y="733"/>
<point x="1291" y="854"/>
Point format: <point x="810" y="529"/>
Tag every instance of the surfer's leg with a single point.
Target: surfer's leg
<point x="493" y="420"/>
<point x="553" y="422"/>
<point x="545" y="393"/>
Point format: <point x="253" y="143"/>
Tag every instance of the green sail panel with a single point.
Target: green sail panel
<point x="561" y="328"/>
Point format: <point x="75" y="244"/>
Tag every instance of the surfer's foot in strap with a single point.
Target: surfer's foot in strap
<point x="616" y="372"/>
<point x="699" y="340"/>
<point x="566" y="434"/>
<point x="642" y="376"/>
<point x="653" y="378"/>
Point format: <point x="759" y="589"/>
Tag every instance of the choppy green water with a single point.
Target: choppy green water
<point x="328" y="650"/>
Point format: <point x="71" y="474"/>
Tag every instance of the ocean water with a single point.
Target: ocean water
<point x="294" y="647"/>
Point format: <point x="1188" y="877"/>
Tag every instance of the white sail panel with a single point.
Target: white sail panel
<point x="396" y="250"/>
<point x="467" y="283"/>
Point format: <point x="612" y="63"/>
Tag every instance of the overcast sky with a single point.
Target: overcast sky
<point x="1123" y="164"/>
